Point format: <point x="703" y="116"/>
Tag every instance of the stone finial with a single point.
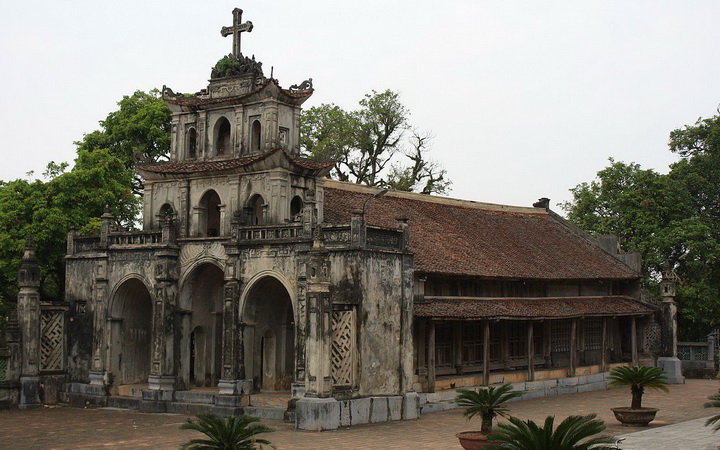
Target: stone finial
<point x="29" y="273"/>
<point x="236" y="29"/>
<point x="543" y="202"/>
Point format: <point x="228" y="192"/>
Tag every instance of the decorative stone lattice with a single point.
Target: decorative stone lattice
<point x="51" y="344"/>
<point x="651" y="338"/>
<point x="343" y="343"/>
<point x="3" y="368"/>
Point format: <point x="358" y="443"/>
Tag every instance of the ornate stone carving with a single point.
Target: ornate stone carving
<point x="343" y="348"/>
<point x="192" y="252"/>
<point x="305" y="86"/>
<point x="52" y="325"/>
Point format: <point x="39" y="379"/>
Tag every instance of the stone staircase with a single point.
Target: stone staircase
<point x="270" y="405"/>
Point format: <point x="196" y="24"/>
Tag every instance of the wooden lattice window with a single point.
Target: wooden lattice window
<point x="560" y="335"/>
<point x="472" y="343"/>
<point x="593" y="334"/>
<point x="517" y="340"/>
<point x="343" y="347"/>
<point x="538" y="339"/>
<point x="443" y="345"/>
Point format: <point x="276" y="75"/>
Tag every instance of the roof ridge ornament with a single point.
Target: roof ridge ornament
<point x="237" y="28"/>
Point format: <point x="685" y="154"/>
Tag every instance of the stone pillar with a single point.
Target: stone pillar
<point x="233" y="364"/>
<point x="163" y="369"/>
<point x="184" y="211"/>
<point x="318" y="342"/>
<point x="105" y="225"/>
<point x="28" y="316"/>
<point x="669" y="361"/>
<point x="357" y="229"/>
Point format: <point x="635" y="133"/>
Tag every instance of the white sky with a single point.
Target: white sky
<point x="526" y="99"/>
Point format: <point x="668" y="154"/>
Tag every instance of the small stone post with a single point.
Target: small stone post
<point x="669" y="361"/>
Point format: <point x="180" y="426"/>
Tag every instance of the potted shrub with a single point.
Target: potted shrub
<point x="638" y="378"/>
<point x="234" y="432"/>
<point x="575" y="432"/>
<point x="487" y="403"/>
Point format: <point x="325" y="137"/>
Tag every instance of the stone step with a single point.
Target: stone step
<point x="124" y="402"/>
<point x="129" y="390"/>
<point x="190" y="409"/>
<point x="270" y="399"/>
<point x="265" y="413"/>
<point x="200" y="397"/>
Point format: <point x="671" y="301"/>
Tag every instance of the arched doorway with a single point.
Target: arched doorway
<point x="269" y="339"/>
<point x="201" y="344"/>
<point x="130" y="333"/>
<point x="223" y="137"/>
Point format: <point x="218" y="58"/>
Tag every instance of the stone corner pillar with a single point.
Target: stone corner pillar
<point x="668" y="361"/>
<point x="28" y="317"/>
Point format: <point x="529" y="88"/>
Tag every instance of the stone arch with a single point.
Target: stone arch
<point x="222" y="133"/>
<point x="166" y="209"/>
<point x="209" y="218"/>
<point x="130" y="331"/>
<point x="256" y="210"/>
<point x="267" y="307"/>
<point x="296" y="207"/>
<point x="200" y="347"/>
<point x="255" y="136"/>
<point x="191" y="143"/>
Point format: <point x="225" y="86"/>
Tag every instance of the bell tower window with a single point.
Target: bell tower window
<point x="222" y="137"/>
<point x="255" y="137"/>
<point x="256" y="210"/>
<point x="296" y="206"/>
<point x="209" y="225"/>
<point x="191" y="143"/>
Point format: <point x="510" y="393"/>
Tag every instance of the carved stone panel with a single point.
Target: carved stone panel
<point x="52" y="326"/>
<point x="343" y="348"/>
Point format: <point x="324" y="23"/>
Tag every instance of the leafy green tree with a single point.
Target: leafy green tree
<point x="138" y="131"/>
<point x="673" y="218"/>
<point x="366" y="143"/>
<point x="230" y="433"/>
<point x="638" y="378"/>
<point x="573" y="433"/>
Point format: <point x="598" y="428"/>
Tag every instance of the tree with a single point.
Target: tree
<point x="673" y="218"/>
<point x="138" y="131"/>
<point x="364" y="144"/>
<point x="488" y="403"/>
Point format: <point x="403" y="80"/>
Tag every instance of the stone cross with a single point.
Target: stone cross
<point x="237" y="28"/>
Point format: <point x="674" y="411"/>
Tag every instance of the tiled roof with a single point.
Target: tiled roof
<point x="465" y="238"/>
<point x="528" y="308"/>
<point x="177" y="168"/>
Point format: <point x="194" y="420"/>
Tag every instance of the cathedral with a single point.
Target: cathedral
<point x="259" y="286"/>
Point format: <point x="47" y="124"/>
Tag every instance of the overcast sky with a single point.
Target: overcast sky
<point x="526" y="99"/>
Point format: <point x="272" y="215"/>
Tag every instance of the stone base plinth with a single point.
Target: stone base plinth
<point x="673" y="369"/>
<point x="317" y="414"/>
<point x="29" y="392"/>
<point x="235" y="387"/>
<point x="161" y="383"/>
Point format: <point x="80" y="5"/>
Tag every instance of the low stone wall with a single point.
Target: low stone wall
<point x="319" y="414"/>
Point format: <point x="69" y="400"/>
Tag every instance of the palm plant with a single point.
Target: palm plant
<point x="487" y="403"/>
<point x="713" y="403"/>
<point x="231" y="433"/>
<point x="575" y="432"/>
<point x="638" y="378"/>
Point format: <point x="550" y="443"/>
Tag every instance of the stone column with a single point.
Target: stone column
<point x="28" y="315"/>
<point x="184" y="211"/>
<point x="163" y="369"/>
<point x="669" y="361"/>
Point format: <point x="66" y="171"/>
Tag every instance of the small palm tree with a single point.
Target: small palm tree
<point x="488" y="403"/>
<point x="575" y="432"/>
<point x="713" y="403"/>
<point x="638" y="378"/>
<point x="231" y="433"/>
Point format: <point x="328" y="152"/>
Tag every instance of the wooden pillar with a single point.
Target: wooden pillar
<point x="504" y="345"/>
<point x="603" y="347"/>
<point x="547" y="343"/>
<point x="633" y="341"/>
<point x="573" y="348"/>
<point x="457" y="347"/>
<point x="486" y="353"/>
<point x="530" y="352"/>
<point x="431" y="356"/>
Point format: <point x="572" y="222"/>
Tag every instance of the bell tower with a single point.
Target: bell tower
<point x="241" y="112"/>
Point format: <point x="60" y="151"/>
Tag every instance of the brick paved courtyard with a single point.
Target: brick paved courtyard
<point x="67" y="427"/>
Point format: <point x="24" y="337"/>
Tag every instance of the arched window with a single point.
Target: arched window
<point x="256" y="134"/>
<point x="256" y="210"/>
<point x="191" y="143"/>
<point x="209" y="225"/>
<point x="165" y="211"/>
<point x="222" y="137"/>
<point x="296" y="206"/>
